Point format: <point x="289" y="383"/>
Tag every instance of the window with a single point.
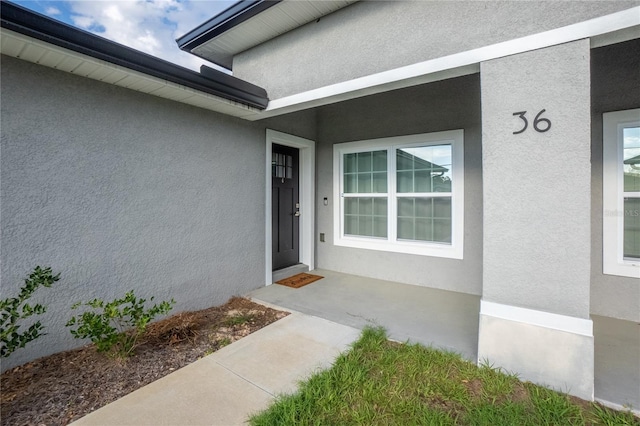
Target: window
<point x="402" y="194"/>
<point x="621" y="193"/>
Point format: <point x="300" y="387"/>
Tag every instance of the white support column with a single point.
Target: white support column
<point x="537" y="188"/>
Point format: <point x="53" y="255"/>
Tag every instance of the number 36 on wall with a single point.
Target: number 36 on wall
<point x="540" y="125"/>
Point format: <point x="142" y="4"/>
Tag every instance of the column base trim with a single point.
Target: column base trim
<point x="558" y="322"/>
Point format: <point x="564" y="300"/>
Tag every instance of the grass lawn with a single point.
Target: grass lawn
<point x="379" y="382"/>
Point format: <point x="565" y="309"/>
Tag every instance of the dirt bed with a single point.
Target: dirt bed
<point x="64" y="387"/>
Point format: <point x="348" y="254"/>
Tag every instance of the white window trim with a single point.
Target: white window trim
<point x="453" y="250"/>
<point x="613" y="262"/>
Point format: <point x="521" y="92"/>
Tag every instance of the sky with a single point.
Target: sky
<point x="150" y="26"/>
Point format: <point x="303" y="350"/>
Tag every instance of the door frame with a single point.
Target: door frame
<point x="307" y="162"/>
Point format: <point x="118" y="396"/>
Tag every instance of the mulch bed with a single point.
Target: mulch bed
<point x="61" y="388"/>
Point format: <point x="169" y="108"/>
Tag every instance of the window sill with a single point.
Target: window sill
<point x="622" y="269"/>
<point x="406" y="247"/>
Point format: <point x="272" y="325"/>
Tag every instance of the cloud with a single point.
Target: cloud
<point x="150" y="26"/>
<point x="52" y="11"/>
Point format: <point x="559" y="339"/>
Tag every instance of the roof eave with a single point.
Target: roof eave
<point x="229" y="18"/>
<point x="217" y="83"/>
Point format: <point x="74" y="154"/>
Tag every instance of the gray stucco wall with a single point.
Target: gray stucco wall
<point x="446" y="105"/>
<point x="615" y="86"/>
<point x="537" y="186"/>
<point x="118" y="190"/>
<point x="373" y="36"/>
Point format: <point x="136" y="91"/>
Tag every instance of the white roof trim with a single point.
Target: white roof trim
<point x="613" y="28"/>
<point x="42" y="53"/>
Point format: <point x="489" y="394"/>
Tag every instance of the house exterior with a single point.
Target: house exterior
<point x="487" y="148"/>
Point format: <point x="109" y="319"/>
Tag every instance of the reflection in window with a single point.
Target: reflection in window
<point x="424" y="193"/>
<point x="424" y="169"/>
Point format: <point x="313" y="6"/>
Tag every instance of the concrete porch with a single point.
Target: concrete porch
<point x="439" y="318"/>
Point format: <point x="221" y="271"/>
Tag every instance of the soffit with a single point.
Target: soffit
<point x="29" y="49"/>
<point x="270" y="23"/>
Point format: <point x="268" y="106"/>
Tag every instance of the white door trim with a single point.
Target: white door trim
<point x="307" y="197"/>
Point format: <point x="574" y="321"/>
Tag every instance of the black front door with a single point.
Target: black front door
<point x="285" y="206"/>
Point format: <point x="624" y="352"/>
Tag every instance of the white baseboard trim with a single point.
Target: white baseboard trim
<point x="540" y="318"/>
<point x="618" y="407"/>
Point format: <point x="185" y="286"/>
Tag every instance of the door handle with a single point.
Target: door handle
<point x="296" y="214"/>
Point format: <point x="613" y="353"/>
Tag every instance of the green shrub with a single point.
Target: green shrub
<point x="14" y="309"/>
<point x="116" y="326"/>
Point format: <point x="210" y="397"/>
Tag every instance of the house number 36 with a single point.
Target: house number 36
<point x="540" y="124"/>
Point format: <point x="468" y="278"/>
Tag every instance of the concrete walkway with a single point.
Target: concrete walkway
<point x="227" y="386"/>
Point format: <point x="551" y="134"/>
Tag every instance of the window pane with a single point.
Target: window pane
<point x="380" y="207"/>
<point x="442" y="230"/>
<point x="405" y="182"/>
<point x="365" y="216"/>
<point x="364" y="162"/>
<point x="380" y="161"/>
<point x="351" y="206"/>
<point x="424" y="219"/>
<point x="442" y="208"/>
<point x="631" y="159"/>
<point x="424" y="169"/>
<point x="380" y="227"/>
<point x="404" y="160"/>
<point x="380" y="182"/>
<point x="405" y="228"/>
<point x="351" y="225"/>
<point x="366" y="207"/>
<point x="424" y="207"/>
<point x="350" y="184"/>
<point x="424" y="230"/>
<point x="365" y="226"/>
<point x="632" y="228"/>
<point x="365" y="172"/>
<point x="405" y="207"/>
<point x="350" y="163"/>
<point x="422" y="181"/>
<point x="441" y="183"/>
<point x="364" y="183"/>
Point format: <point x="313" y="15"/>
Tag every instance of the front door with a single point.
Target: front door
<point x="285" y="205"/>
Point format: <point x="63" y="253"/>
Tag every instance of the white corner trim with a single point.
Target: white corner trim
<point x="539" y="318"/>
<point x="307" y="175"/>
<point x="459" y="64"/>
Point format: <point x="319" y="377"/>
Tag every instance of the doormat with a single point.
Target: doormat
<point x="299" y="280"/>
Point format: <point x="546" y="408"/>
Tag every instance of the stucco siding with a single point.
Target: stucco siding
<point x="615" y="86"/>
<point x="118" y="190"/>
<point x="446" y="105"/>
<point x="537" y="184"/>
<point x="374" y="36"/>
